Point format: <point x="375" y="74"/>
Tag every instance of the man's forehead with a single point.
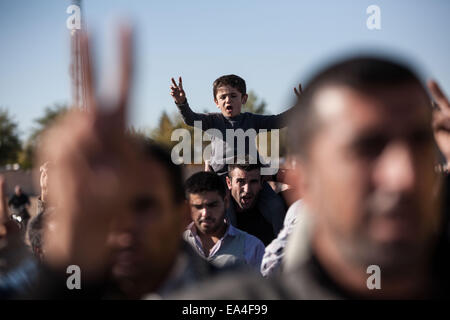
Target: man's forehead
<point x="241" y="173"/>
<point x="226" y="89"/>
<point x="395" y="109"/>
<point x="204" y="197"/>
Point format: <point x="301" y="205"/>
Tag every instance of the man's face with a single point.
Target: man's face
<point x="147" y="243"/>
<point x="207" y="211"/>
<point x="17" y="190"/>
<point x="369" y="178"/>
<point x="244" y="187"/>
<point x="229" y="100"/>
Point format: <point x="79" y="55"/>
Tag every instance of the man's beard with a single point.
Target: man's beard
<point x="216" y="225"/>
<point x="397" y="253"/>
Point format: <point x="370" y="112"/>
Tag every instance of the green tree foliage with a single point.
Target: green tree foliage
<point x="9" y="139"/>
<point x="49" y="117"/>
<point x="46" y="120"/>
<point x="253" y="105"/>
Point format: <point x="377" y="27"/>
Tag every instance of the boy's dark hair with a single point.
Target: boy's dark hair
<point x="162" y="156"/>
<point x="203" y="182"/>
<point x="232" y="81"/>
<point x="244" y="163"/>
<point x="363" y="74"/>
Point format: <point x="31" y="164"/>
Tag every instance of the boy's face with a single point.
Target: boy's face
<point x="229" y="100"/>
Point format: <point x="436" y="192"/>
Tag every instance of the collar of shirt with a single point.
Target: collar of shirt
<point x="192" y="231"/>
<point x="235" y="118"/>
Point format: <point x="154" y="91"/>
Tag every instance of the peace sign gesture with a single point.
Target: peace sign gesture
<point x="177" y="92"/>
<point x="93" y="168"/>
<point x="298" y="92"/>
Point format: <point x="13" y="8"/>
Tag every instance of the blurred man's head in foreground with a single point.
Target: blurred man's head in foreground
<point x="365" y="149"/>
<point x="146" y="244"/>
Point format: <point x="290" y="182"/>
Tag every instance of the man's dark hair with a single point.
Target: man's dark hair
<point x="204" y="182"/>
<point x="162" y="155"/>
<point x="363" y="74"/>
<point x="244" y="163"/>
<point x="232" y="81"/>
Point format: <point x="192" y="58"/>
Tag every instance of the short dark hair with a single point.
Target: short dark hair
<point x="161" y="155"/>
<point x="244" y="163"/>
<point x="203" y="182"/>
<point x="232" y="81"/>
<point x="363" y="74"/>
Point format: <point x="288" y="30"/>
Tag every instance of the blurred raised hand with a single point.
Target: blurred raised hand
<point x="93" y="164"/>
<point x="43" y="181"/>
<point x="441" y="118"/>
<point x="298" y="92"/>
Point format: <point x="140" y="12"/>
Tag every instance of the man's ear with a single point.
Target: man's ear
<point x="244" y="98"/>
<point x="228" y="182"/>
<point x="217" y="103"/>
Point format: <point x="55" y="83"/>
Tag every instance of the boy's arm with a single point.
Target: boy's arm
<point x="189" y="116"/>
<point x="277" y="121"/>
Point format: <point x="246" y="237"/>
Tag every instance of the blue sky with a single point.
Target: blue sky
<point x="272" y="45"/>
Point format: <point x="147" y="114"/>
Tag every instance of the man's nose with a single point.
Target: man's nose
<point x="204" y="212"/>
<point x="120" y="239"/>
<point x="245" y="188"/>
<point x="395" y="171"/>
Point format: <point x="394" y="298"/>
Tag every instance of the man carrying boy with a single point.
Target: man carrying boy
<point x="209" y="234"/>
<point x="230" y="94"/>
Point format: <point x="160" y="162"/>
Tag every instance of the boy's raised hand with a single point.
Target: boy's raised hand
<point x="298" y="92"/>
<point x="177" y="92"/>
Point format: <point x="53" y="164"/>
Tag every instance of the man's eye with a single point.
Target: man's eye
<point x="370" y="149"/>
<point x="420" y="138"/>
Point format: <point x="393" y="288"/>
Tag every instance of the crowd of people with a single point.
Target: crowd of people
<point x="367" y="187"/>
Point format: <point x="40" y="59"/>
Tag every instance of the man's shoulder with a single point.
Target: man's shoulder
<point x="245" y="235"/>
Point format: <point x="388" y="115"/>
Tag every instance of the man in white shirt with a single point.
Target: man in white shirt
<point x="211" y="236"/>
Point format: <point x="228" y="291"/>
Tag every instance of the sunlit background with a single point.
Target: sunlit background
<point x="272" y="45"/>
